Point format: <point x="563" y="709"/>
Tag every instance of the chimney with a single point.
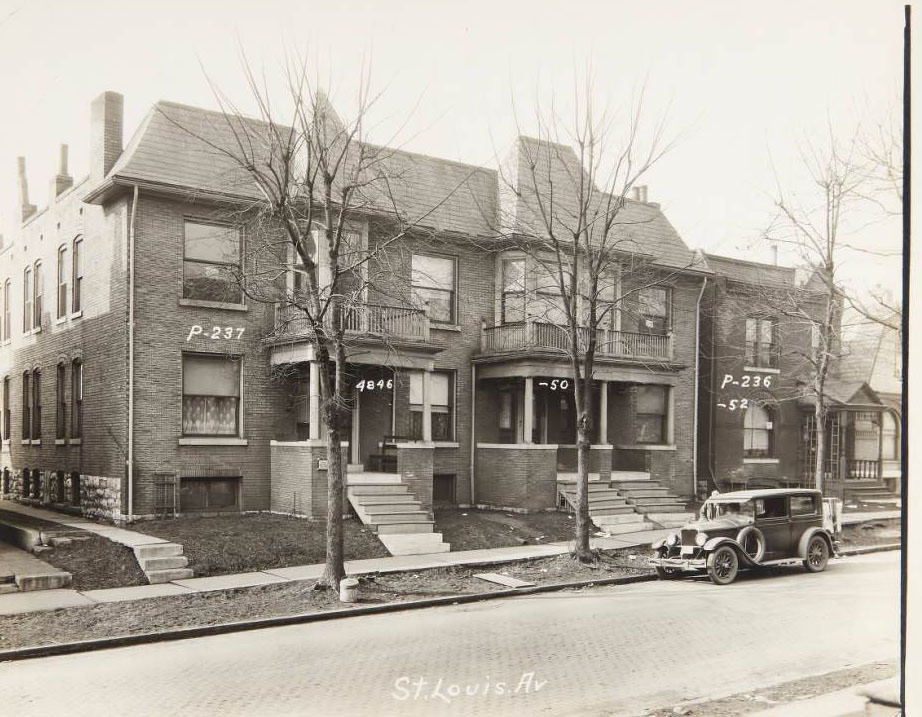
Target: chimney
<point x="775" y="254"/>
<point x="27" y="209"/>
<point x="106" y="114"/>
<point x="62" y="180"/>
<point x="635" y="192"/>
<point x="643" y="192"/>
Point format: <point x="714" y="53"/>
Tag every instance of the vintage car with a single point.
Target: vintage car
<point x="752" y="529"/>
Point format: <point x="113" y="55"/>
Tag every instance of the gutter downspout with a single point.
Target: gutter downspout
<point x="131" y="238"/>
<point x="473" y="427"/>
<point x="697" y="373"/>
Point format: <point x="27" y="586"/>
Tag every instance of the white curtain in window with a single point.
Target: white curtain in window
<point x="756" y="422"/>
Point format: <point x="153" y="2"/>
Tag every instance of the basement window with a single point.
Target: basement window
<point x="197" y="495"/>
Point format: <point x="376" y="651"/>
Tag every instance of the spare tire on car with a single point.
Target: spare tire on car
<point x="752" y="541"/>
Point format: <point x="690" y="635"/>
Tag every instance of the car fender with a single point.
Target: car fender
<point x="661" y="543"/>
<point x="714" y="543"/>
<point x="808" y="535"/>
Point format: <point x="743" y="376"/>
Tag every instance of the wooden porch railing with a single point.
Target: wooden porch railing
<point x="373" y="319"/>
<point x="524" y="335"/>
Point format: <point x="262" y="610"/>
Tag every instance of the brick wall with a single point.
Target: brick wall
<point x="516" y="477"/>
<point x="414" y="464"/>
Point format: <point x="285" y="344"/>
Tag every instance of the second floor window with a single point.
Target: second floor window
<point x="76" y="399"/>
<point x="211" y="262"/>
<point x="26" y="404"/>
<point x="39" y="285"/>
<point x="60" y="402"/>
<point x="76" y="292"/>
<point x="210" y="395"/>
<point x="7" y="325"/>
<point x="62" y="281"/>
<point x="758" y="432"/>
<point x="653" y="310"/>
<point x="27" y="300"/>
<point x="433" y="281"/>
<point x="513" y="298"/>
<point x="549" y="302"/>
<point x="761" y="344"/>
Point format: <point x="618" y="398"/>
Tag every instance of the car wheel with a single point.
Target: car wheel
<point x="666" y="573"/>
<point x="817" y="555"/>
<point x="723" y="565"/>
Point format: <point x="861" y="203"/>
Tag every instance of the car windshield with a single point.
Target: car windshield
<point x="725" y="509"/>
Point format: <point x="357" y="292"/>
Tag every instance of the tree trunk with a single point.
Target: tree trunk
<point x="335" y="569"/>
<point x="583" y="521"/>
<point x="819" y="419"/>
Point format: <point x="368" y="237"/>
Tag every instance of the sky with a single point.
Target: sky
<point x="743" y="87"/>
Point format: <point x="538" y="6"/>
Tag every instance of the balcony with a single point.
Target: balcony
<point x="539" y="336"/>
<point x="375" y="321"/>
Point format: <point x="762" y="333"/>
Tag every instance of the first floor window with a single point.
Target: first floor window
<point x="199" y="494"/>
<point x="61" y="402"/>
<point x="441" y="401"/>
<point x="758" y="432"/>
<point x="26" y="403"/>
<point x="76" y="393"/>
<point x="211" y="395"/>
<point x="6" y="408"/>
<point x="650" y="415"/>
<point x="889" y="433"/>
<point x="36" y="404"/>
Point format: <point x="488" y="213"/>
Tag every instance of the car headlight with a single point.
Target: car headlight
<point x="672" y="539"/>
<point x="701" y="539"/>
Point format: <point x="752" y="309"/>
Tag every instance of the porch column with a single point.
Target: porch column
<point x="529" y="414"/>
<point x="603" y="413"/>
<point x="670" y="415"/>
<point x="314" y="401"/>
<point x="427" y="407"/>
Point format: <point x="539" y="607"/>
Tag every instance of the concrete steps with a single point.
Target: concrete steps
<point x="163" y="562"/>
<point x="386" y="505"/>
<point x="608" y="509"/>
<point x="649" y="497"/>
<point x="622" y="476"/>
<point x="621" y="523"/>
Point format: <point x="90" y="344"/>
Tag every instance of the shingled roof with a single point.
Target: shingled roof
<point x="751" y="272"/>
<point x="179" y="148"/>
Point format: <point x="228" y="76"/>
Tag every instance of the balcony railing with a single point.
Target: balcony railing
<point x="525" y="335"/>
<point x="379" y="321"/>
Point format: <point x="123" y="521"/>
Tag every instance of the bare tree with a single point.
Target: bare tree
<point x="310" y="181"/>
<point x="567" y="212"/>
<point x="814" y="224"/>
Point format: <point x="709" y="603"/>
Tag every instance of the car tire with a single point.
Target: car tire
<point x="723" y="565"/>
<point x="817" y="554"/>
<point x="746" y="537"/>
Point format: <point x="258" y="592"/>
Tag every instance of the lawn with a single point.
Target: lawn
<point x="475" y="529"/>
<point x="242" y="543"/>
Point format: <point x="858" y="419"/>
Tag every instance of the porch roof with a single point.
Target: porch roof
<point x="557" y="367"/>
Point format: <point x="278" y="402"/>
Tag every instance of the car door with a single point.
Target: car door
<point x="805" y="513"/>
<point x="773" y="520"/>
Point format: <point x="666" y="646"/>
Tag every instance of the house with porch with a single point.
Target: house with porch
<point x="757" y="425"/>
<point x="174" y="393"/>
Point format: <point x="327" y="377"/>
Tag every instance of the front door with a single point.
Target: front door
<point x="772" y="519"/>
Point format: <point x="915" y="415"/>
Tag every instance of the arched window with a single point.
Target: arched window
<point x="7" y="428"/>
<point x="889" y="436"/>
<point x="758" y="432"/>
<point x="60" y="396"/>
<point x="26" y="404"/>
<point x="36" y="404"/>
<point x="7" y="324"/>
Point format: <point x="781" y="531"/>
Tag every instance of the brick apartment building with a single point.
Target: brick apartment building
<point x="756" y="425"/>
<point x="137" y="381"/>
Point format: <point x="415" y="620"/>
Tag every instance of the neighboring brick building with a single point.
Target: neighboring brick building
<point x="756" y="425"/>
<point x="162" y="389"/>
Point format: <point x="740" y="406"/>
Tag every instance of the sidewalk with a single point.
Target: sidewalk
<point x="52" y="599"/>
<point x="842" y="703"/>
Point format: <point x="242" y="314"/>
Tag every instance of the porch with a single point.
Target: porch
<point x="526" y="336"/>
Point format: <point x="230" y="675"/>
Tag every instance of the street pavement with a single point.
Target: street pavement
<point x="607" y="650"/>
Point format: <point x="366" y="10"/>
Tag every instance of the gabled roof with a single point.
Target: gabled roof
<point x="540" y="168"/>
<point x="752" y="272"/>
<point x="183" y="147"/>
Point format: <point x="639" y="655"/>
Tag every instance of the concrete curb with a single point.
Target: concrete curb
<point x="26" y="653"/>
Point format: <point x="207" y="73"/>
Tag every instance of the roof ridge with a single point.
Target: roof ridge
<point x="735" y="260"/>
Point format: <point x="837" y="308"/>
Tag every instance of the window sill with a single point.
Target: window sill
<point x="761" y="369"/>
<point x="445" y="327"/>
<point x="75" y="441"/>
<point x="60" y="320"/>
<point x="212" y="441"/>
<point x="762" y="460"/>
<point x="76" y="314"/>
<point x="60" y="441"/>
<point x="36" y="441"/>
<point x="647" y="446"/>
<point x="26" y="442"/>
<point x="447" y="444"/>
<point x="202" y="303"/>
